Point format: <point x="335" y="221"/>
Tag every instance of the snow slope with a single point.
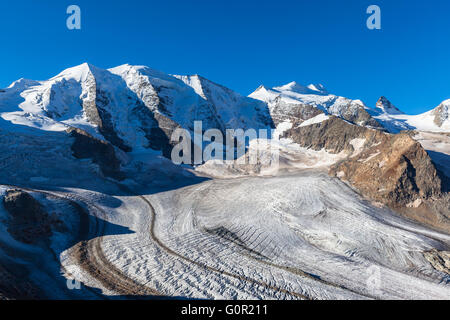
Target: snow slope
<point x="297" y="236"/>
<point x="436" y="120"/>
<point x="126" y="105"/>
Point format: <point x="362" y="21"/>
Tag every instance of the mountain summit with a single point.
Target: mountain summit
<point x="298" y="88"/>
<point x="385" y="106"/>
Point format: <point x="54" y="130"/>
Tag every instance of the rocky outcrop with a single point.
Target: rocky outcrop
<point x="29" y="222"/>
<point x="396" y="171"/>
<point x="107" y="127"/>
<point x="95" y="108"/>
<point x="441" y="113"/>
<point x="282" y="111"/>
<point x="101" y="152"/>
<point x="89" y="102"/>
<point x="440" y="260"/>
<point x="334" y="135"/>
<point x="392" y="169"/>
<point x="385" y="106"/>
<point x="360" y="117"/>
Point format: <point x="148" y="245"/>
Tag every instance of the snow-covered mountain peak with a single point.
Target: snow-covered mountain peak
<point x="22" y="83"/>
<point x="141" y="70"/>
<point x="287" y="99"/>
<point x="318" y="87"/>
<point x="436" y="120"/>
<point x="231" y="109"/>
<point x="385" y="106"/>
<point x="78" y="73"/>
<point x="442" y="115"/>
<point x="446" y="102"/>
<point x="443" y="108"/>
<point x="298" y="88"/>
<point x="261" y="87"/>
<point x="133" y="105"/>
<point x="261" y="92"/>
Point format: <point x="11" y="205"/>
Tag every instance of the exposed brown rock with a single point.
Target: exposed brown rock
<point x="432" y="212"/>
<point x="334" y="134"/>
<point x="397" y="172"/>
<point x="392" y="169"/>
<point x="359" y="116"/>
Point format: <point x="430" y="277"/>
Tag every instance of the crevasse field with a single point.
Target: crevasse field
<point x="298" y="236"/>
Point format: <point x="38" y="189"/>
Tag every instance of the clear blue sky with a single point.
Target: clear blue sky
<point x="242" y="44"/>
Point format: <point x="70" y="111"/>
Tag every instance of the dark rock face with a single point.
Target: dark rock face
<point x="23" y="207"/>
<point x="13" y="287"/>
<point x="29" y="222"/>
<point x="159" y="136"/>
<point x="89" y="103"/>
<point x="297" y="113"/>
<point x="157" y="128"/>
<point x="102" y="153"/>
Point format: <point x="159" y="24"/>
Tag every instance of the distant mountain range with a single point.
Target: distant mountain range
<point x="284" y="99"/>
<point x="135" y="107"/>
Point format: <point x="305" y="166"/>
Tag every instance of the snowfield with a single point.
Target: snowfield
<point x="296" y="236"/>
